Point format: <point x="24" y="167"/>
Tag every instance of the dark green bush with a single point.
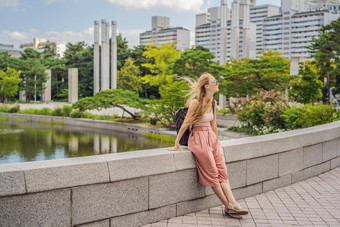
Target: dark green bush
<point x="76" y="114"/>
<point x="57" y="112"/>
<point x="14" y="109"/>
<point x="67" y="110"/>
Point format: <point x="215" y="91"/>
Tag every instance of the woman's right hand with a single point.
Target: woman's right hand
<point x="176" y="147"/>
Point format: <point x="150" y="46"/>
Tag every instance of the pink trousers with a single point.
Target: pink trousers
<point x="208" y="152"/>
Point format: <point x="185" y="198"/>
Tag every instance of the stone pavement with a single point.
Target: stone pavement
<point x="313" y="202"/>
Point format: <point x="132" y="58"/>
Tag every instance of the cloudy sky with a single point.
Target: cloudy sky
<point x="72" y="20"/>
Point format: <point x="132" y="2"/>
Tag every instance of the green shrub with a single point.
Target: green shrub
<point x="67" y="110"/>
<point x="57" y="112"/>
<point x="293" y="117"/>
<point x="44" y="111"/>
<point x="76" y="113"/>
<point x="4" y="108"/>
<point x="14" y="109"/>
<point x="308" y="115"/>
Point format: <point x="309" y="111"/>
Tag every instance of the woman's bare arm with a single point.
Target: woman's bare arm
<point x="213" y="122"/>
<point x="192" y="108"/>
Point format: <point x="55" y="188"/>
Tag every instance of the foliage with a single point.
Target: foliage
<point x="129" y="77"/>
<point x="76" y="114"/>
<point x="14" y="109"/>
<point x="293" y="117"/>
<point x="112" y="98"/>
<point x="326" y="51"/>
<point x="264" y="109"/>
<point x="193" y="62"/>
<point x="9" y="81"/>
<point x="123" y="51"/>
<point x="57" y="112"/>
<point x="306" y="87"/>
<point x="248" y="76"/>
<point x="4" y="108"/>
<point x="67" y="110"/>
<point x="163" y="56"/>
<point x="43" y="111"/>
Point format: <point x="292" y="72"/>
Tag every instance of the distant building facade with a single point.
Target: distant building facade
<point x="39" y="44"/>
<point x="13" y="52"/>
<point x="162" y="33"/>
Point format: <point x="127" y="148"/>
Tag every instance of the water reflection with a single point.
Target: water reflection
<point x="21" y="142"/>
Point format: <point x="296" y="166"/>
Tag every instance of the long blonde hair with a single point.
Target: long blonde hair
<point x="198" y="91"/>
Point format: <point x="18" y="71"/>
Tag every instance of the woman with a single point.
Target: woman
<point x="204" y="143"/>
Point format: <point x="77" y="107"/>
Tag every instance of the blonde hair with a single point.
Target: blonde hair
<point x="198" y="92"/>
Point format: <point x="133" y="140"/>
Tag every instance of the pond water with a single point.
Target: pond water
<point x="22" y="142"/>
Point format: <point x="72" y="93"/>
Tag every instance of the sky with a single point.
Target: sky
<point x="72" y="20"/>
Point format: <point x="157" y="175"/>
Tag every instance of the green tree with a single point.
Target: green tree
<point x="248" y="76"/>
<point x="123" y="51"/>
<point x="112" y="98"/>
<point x="59" y="75"/>
<point x="33" y="73"/>
<point x="129" y="77"/>
<point x="163" y="56"/>
<point x="193" y="62"/>
<point x="306" y="87"/>
<point x="9" y="82"/>
<point x="326" y="51"/>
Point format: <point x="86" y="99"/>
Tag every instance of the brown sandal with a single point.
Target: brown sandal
<point x="237" y="216"/>
<point x="231" y="210"/>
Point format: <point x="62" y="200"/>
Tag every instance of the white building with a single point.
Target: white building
<point x="13" y="52"/>
<point x="39" y="44"/>
<point x="208" y="30"/>
<point x="162" y="33"/>
<point x="288" y="29"/>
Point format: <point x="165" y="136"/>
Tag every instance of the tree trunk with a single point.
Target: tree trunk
<point x="132" y="115"/>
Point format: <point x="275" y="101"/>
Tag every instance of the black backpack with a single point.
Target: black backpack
<point x="180" y="116"/>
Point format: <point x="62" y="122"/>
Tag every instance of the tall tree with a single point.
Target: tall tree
<point x="248" y="76"/>
<point x="129" y="77"/>
<point x="306" y="86"/>
<point x="9" y="82"/>
<point x="193" y="62"/>
<point x="326" y="51"/>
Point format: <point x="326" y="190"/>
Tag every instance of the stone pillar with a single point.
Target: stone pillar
<point x="104" y="59"/>
<point x="235" y="29"/>
<point x="105" y="144"/>
<point x="22" y="96"/>
<point x="246" y="29"/>
<point x="46" y="96"/>
<point x="72" y="85"/>
<point x="96" y="144"/>
<point x="96" y="58"/>
<point x="223" y="47"/>
<point x="114" y="143"/>
<point x="114" y="55"/>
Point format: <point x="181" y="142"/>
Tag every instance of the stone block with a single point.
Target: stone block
<point x="329" y="150"/>
<point x="261" y="169"/>
<point x="248" y="191"/>
<point x="325" y="132"/>
<point x="184" y="160"/>
<point x="197" y="205"/>
<point x="312" y="155"/>
<point x="309" y="172"/>
<point x="321" y="168"/>
<point x="277" y="183"/>
<point x="63" y="173"/>
<point x="104" y="223"/>
<point x="52" y="208"/>
<point x="297" y="176"/>
<point x="142" y="218"/>
<point x="12" y="181"/>
<point x="134" y="166"/>
<point x="175" y="187"/>
<point x="208" y="191"/>
<point x="241" y="149"/>
<point x="237" y="172"/>
<point x="338" y="147"/>
<point x="290" y="161"/>
<point x="335" y="162"/>
<point x="275" y="143"/>
<point x="102" y="201"/>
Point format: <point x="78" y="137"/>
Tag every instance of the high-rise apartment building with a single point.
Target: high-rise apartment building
<point x="288" y="29"/>
<point x="162" y="33"/>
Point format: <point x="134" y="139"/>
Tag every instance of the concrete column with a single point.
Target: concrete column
<point x="104" y="59"/>
<point x="72" y="85"/>
<point x="235" y="29"/>
<point x="46" y="96"/>
<point x="246" y="29"/>
<point x="223" y="47"/>
<point x="114" y="55"/>
<point x="22" y="96"/>
<point x="96" y="58"/>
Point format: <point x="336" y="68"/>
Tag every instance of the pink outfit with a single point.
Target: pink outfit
<point x="208" y="152"/>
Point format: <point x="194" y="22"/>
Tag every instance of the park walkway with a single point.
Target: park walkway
<point x="313" y="202"/>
